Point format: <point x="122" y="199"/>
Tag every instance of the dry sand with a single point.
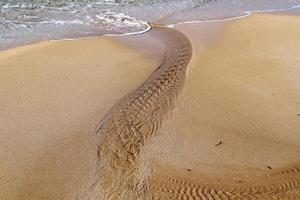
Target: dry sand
<point x="52" y="96"/>
<point x="234" y="132"/>
<point x="237" y="121"/>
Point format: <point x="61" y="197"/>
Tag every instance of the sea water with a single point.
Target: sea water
<point x="28" y="21"/>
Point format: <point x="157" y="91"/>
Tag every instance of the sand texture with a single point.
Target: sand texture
<point x="52" y="96"/>
<point x="208" y="112"/>
<point x="235" y="131"/>
<point x="130" y="123"/>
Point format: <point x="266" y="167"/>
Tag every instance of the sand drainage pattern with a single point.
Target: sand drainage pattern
<point x="135" y="118"/>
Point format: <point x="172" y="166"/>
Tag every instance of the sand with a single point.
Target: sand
<point x="237" y="120"/>
<point x="232" y="132"/>
<point x="131" y="123"/>
<point x="52" y="96"/>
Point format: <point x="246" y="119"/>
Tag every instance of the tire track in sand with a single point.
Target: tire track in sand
<point x="135" y="118"/>
<point x="284" y="184"/>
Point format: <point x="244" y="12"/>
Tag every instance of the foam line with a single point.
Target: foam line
<point x="133" y="33"/>
<point x="246" y="14"/>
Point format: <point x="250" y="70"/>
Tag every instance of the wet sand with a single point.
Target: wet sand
<point x="231" y="133"/>
<point x="134" y="120"/>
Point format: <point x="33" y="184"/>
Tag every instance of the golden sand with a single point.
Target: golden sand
<point x="52" y="96"/>
<point x="236" y="123"/>
<point x="232" y="134"/>
<point x="134" y="120"/>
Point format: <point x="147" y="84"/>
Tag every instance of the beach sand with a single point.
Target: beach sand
<point x="53" y="95"/>
<point x="234" y="129"/>
<point x="237" y="120"/>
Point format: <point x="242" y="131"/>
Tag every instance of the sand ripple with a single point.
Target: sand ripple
<point x="286" y="186"/>
<point x="132" y="121"/>
<point x="135" y="118"/>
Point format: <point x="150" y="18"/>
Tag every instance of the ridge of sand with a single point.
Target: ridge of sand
<point x="133" y="120"/>
<point x="233" y="134"/>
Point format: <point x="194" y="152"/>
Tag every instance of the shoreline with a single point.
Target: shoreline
<point x="246" y="14"/>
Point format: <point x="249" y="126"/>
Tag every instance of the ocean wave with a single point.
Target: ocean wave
<point x="31" y="21"/>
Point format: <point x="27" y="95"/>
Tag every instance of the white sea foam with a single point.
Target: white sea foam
<point x="24" y="23"/>
<point x="246" y="14"/>
<point x="64" y="22"/>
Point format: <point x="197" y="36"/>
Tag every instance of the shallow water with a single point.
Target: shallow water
<point x="30" y="21"/>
